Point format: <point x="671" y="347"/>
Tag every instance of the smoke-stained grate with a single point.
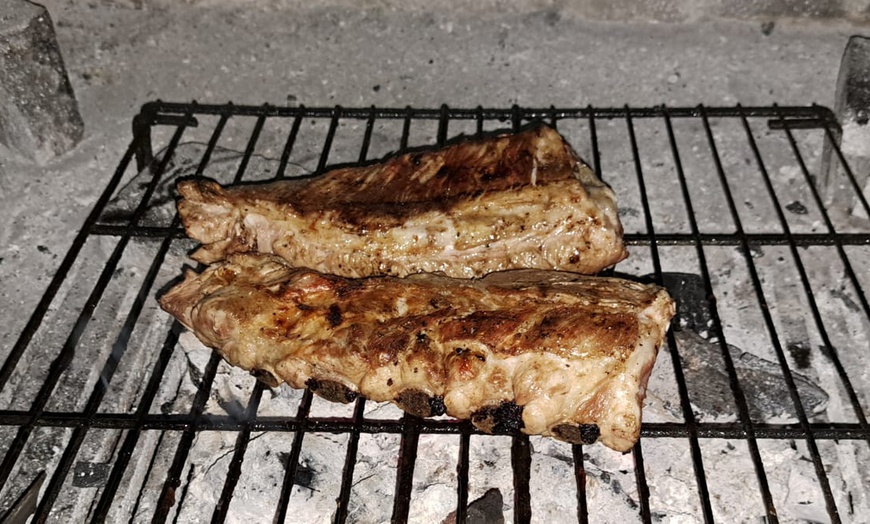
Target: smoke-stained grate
<point x="756" y="408"/>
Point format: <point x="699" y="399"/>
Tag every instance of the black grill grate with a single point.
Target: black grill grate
<point x="677" y="200"/>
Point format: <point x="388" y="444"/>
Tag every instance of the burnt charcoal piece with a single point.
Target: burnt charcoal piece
<point x="332" y="390"/>
<point x="693" y="307"/>
<point x="801" y="353"/>
<point x="797" y="208"/>
<point x="305" y="474"/>
<point x="90" y="474"/>
<point x="486" y="509"/>
<point x="506" y="418"/>
<point x="419" y="403"/>
<point x="580" y="434"/>
<point x="767" y="394"/>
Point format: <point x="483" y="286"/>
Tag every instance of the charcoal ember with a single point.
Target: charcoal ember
<point x="39" y="116"/>
<point x="761" y="380"/>
<point x="797" y="207"/>
<point x="693" y="305"/>
<point x="485" y="510"/>
<point x="90" y="474"/>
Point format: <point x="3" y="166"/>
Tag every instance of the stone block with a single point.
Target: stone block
<point x="852" y="108"/>
<point x="39" y="116"/>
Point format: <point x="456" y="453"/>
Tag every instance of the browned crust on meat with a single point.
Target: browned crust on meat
<point x="568" y="351"/>
<point x="477" y="206"/>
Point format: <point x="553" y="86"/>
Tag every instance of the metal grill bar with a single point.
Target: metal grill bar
<point x="521" y="462"/>
<point x="65" y="356"/>
<point x="343" y="500"/>
<point x="54" y="286"/>
<point x="580" y="478"/>
<point x="101" y="386"/>
<point x="119" y="348"/>
<point x="688" y="413"/>
<point x="777" y="346"/>
<point x="405" y="468"/>
<point x="820" y="116"/>
<point x="734" y="382"/>
<point x="173" y="478"/>
<point x="126" y="452"/>
<point x="207" y="422"/>
<point x="640" y="474"/>
<point x="130" y="426"/>
<point x="292" y="465"/>
<point x="235" y="469"/>
<point x="167" y="496"/>
<point x="288" y="147"/>
<point x="853" y="280"/>
<point x="349" y="463"/>
<point x="462" y="475"/>
<point x="132" y="438"/>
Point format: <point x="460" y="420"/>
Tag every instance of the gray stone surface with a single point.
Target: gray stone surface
<point x="667" y="11"/>
<point x="39" y="117"/>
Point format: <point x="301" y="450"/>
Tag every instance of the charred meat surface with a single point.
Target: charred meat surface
<point x="509" y="201"/>
<point x="543" y="352"/>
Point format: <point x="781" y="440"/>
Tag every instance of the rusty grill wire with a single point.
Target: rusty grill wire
<point x="165" y="125"/>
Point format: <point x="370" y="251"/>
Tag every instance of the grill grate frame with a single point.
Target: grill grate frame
<point x="178" y="118"/>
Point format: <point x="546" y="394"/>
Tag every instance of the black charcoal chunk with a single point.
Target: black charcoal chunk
<point x="90" y="474"/>
<point x="762" y="382"/>
<point x="693" y="306"/>
<point x="487" y="509"/>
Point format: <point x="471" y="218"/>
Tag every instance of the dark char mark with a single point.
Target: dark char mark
<point x="331" y="390"/>
<point x="333" y="315"/>
<point x="420" y="404"/>
<point x="506" y="418"/>
<point x="579" y="434"/>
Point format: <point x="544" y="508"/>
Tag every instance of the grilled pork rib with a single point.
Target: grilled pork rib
<point x="511" y="201"/>
<point x="545" y="352"/>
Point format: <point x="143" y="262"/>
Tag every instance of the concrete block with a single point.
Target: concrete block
<point x="39" y="116"/>
<point x="852" y="108"/>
